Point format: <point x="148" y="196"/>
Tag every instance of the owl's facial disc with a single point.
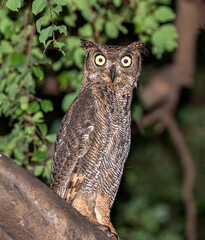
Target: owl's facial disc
<point x="112" y="71"/>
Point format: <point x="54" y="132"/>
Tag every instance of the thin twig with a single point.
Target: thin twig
<point x="96" y="32"/>
<point x="39" y="134"/>
<point x="2" y="4"/>
<point x="33" y="30"/>
<point x="26" y="18"/>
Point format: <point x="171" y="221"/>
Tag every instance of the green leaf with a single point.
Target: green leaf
<point x="68" y="99"/>
<point x="86" y="30"/>
<point x="13" y="5"/>
<point x="38" y="73"/>
<point x="100" y="22"/>
<point x="57" y="9"/>
<point x="43" y="128"/>
<point x="123" y="29"/>
<point x="62" y="2"/>
<point x="117" y="3"/>
<point x="18" y="112"/>
<point x="33" y="107"/>
<point x="24" y="106"/>
<point x="18" y="154"/>
<point x="111" y="30"/>
<point x="17" y="59"/>
<point x="51" y="137"/>
<point x="48" y="43"/>
<point x="30" y="130"/>
<point x="61" y="29"/>
<point x="38" y="6"/>
<point x="45" y="34"/>
<point x="40" y="22"/>
<point x="150" y="24"/>
<point x="37" y="117"/>
<point x="164" y="39"/>
<point x="12" y="90"/>
<point x="78" y="57"/>
<point x="39" y="156"/>
<point x="87" y="14"/>
<point x="46" y="106"/>
<point x="47" y="172"/>
<point x="136" y="112"/>
<point x="73" y="42"/>
<point x="57" y="65"/>
<point x="2" y="97"/>
<point x="63" y="80"/>
<point x="38" y="170"/>
<point x="81" y="4"/>
<point x="5" y="47"/>
<point x="60" y="45"/>
<point x="70" y="20"/>
<point x="23" y="102"/>
<point x="164" y="14"/>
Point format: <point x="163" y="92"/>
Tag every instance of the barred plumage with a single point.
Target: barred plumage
<point x="93" y="141"/>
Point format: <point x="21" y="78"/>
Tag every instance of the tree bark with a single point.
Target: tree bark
<point x="30" y="210"/>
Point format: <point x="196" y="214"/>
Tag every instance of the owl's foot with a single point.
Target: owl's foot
<point x="107" y="230"/>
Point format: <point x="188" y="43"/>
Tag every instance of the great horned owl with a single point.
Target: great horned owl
<point x="93" y="141"/>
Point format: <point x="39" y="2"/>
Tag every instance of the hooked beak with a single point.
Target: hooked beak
<point x="112" y="71"/>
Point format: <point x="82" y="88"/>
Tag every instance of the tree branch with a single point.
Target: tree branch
<point x="189" y="172"/>
<point x="30" y="210"/>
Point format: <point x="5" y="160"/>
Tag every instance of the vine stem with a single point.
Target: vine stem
<point x="53" y="32"/>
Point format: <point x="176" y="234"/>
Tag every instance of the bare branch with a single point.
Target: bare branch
<point x="189" y="173"/>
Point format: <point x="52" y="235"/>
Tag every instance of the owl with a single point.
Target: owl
<point x="93" y="140"/>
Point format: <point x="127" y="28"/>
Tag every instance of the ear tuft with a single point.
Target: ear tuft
<point x="140" y="47"/>
<point x="86" y="44"/>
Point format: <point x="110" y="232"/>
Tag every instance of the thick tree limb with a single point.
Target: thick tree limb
<point x="29" y="210"/>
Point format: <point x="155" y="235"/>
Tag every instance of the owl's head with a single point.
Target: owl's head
<point x="119" y="65"/>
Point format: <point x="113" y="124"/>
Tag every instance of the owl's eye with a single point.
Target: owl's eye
<point x="126" y="61"/>
<point x="100" y="60"/>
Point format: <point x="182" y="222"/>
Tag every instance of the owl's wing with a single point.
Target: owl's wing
<point x="74" y="139"/>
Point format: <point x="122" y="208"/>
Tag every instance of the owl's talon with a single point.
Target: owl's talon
<point x="114" y="236"/>
<point x="104" y="228"/>
<point x="107" y="230"/>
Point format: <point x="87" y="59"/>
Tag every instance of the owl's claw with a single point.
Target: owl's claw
<point x="114" y="236"/>
<point x="107" y="230"/>
<point x="104" y="228"/>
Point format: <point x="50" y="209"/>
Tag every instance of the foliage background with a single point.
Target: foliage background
<point x="40" y="75"/>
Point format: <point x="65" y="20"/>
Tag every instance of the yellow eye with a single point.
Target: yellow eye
<point x="99" y="60"/>
<point x="126" y="61"/>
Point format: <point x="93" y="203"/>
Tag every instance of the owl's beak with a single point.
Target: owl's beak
<point x="112" y="71"/>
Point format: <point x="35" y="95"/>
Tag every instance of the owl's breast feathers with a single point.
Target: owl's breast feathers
<point x="92" y="145"/>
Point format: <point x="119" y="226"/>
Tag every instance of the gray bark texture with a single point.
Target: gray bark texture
<point x="29" y="210"/>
